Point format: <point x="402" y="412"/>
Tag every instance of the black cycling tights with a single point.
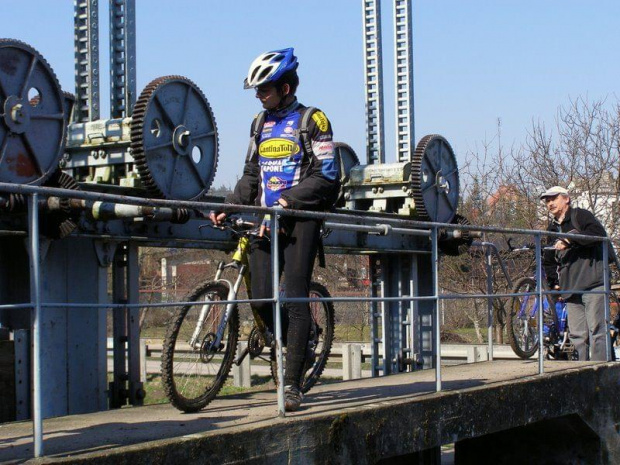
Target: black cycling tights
<point x="298" y="248"/>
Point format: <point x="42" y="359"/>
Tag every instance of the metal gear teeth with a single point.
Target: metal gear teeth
<point x="20" y="44"/>
<point x="454" y="247"/>
<point x="416" y="175"/>
<point x="57" y="225"/>
<point x="137" y="128"/>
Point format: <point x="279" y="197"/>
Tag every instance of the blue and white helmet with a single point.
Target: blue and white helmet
<point x="269" y="67"/>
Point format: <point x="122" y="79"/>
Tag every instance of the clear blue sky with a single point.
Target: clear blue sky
<point x="474" y="61"/>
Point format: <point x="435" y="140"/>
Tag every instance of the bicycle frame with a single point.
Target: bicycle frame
<point x="240" y="263"/>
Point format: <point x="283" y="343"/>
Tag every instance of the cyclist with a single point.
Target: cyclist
<point x="280" y="172"/>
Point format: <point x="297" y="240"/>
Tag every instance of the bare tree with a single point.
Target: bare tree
<point x="502" y="186"/>
<point x="581" y="152"/>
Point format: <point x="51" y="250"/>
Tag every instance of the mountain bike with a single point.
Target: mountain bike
<point x="522" y="323"/>
<point x="201" y="340"/>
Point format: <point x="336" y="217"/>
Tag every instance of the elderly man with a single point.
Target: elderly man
<point x="576" y="265"/>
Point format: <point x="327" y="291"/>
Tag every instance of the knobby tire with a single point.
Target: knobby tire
<point x="322" y="314"/>
<point x="192" y="377"/>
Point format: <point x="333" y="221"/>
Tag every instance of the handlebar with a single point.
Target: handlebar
<point x="235" y="224"/>
<point x="524" y="247"/>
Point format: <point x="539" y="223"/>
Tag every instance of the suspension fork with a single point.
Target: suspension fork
<point x="233" y="290"/>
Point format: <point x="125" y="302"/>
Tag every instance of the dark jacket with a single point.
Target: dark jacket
<point x="580" y="267"/>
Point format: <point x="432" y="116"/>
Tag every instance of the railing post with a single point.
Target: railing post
<point x="605" y="245"/>
<point x="275" y="270"/>
<point x="435" y="260"/>
<point x="489" y="268"/>
<point x="541" y="307"/>
<point x="35" y="296"/>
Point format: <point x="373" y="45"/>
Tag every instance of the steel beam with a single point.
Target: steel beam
<point x="373" y="78"/>
<point x="122" y="57"/>
<point x="86" y="40"/>
<point x="403" y="72"/>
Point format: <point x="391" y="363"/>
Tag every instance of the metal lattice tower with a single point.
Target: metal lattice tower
<point x="403" y="62"/>
<point x="122" y="57"/>
<point x="373" y="75"/>
<point x="86" y="40"/>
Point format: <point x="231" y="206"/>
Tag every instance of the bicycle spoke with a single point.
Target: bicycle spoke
<point x="194" y="373"/>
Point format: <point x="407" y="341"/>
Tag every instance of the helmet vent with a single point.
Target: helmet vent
<point x="266" y="72"/>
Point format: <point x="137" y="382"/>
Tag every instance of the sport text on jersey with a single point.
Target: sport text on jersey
<point x="278" y="148"/>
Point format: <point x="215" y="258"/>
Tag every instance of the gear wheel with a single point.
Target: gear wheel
<point x="34" y="122"/>
<point x="455" y="246"/>
<point x="60" y="223"/>
<point x="174" y="139"/>
<point x="435" y="179"/>
<point x="346" y="158"/>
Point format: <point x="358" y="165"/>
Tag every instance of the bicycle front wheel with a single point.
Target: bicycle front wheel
<point x="319" y="342"/>
<point x="199" y="348"/>
<point x="522" y="324"/>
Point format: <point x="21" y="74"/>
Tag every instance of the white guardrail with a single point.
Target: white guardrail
<point x="350" y="355"/>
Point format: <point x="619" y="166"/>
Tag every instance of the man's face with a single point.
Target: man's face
<point x="557" y="205"/>
<point x="268" y="96"/>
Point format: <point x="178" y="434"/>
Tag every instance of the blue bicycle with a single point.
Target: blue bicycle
<point x="522" y="325"/>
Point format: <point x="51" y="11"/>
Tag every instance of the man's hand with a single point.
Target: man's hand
<point x="561" y="244"/>
<point x="217" y="217"/>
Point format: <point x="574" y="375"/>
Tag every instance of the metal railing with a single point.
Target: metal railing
<point x="348" y="222"/>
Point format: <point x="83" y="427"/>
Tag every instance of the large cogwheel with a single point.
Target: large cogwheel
<point x="34" y="121"/>
<point x="435" y="179"/>
<point x="174" y="139"/>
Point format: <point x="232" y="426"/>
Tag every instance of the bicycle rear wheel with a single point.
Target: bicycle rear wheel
<point x="319" y="342"/>
<point x="194" y="368"/>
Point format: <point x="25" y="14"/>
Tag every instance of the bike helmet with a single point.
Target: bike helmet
<point x="269" y="67"/>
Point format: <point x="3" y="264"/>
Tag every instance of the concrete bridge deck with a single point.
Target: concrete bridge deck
<point x="362" y="421"/>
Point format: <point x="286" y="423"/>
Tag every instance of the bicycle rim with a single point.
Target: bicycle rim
<point x="194" y="369"/>
<point x="522" y="325"/>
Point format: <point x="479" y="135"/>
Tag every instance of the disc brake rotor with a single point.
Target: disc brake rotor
<point x="435" y="179"/>
<point x="174" y="139"/>
<point x="207" y="350"/>
<point x="33" y="122"/>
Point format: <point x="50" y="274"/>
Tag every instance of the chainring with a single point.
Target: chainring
<point x="256" y="342"/>
<point x="34" y="122"/>
<point x="435" y="179"/>
<point x="174" y="139"/>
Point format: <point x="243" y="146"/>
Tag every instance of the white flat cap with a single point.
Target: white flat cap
<point x="553" y="191"/>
